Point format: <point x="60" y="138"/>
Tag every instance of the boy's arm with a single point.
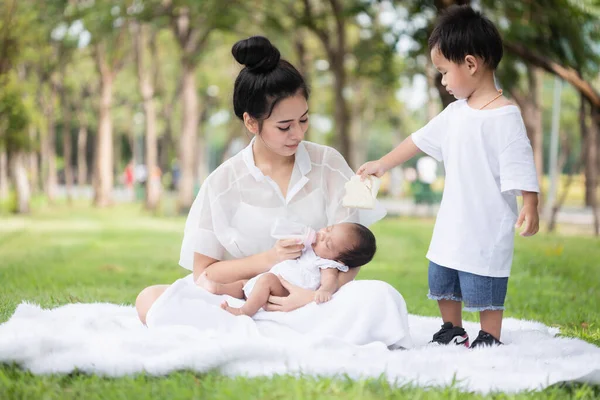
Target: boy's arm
<point x="529" y="214"/>
<point x="402" y="153"/>
<point x="329" y="285"/>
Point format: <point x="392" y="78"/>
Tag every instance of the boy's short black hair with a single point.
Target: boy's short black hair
<point x="363" y="250"/>
<point x="462" y="31"/>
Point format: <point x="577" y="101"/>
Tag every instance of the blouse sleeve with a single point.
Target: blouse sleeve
<point x="199" y="235"/>
<point x="336" y="173"/>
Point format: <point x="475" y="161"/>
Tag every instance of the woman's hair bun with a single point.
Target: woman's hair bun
<point x="257" y="54"/>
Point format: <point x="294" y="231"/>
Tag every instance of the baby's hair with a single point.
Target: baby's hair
<point x="363" y="249"/>
<point x="462" y="31"/>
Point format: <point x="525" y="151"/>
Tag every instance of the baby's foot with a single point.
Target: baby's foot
<point x="232" y="310"/>
<point x="211" y="286"/>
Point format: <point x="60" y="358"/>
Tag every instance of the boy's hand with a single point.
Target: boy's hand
<point x="371" y="168"/>
<point x="529" y="215"/>
<point x="322" y="296"/>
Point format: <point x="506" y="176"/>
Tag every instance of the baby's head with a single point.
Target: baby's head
<point x="348" y="243"/>
<point x="465" y="48"/>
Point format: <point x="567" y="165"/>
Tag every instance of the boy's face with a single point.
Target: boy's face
<point x="333" y="241"/>
<point x="457" y="78"/>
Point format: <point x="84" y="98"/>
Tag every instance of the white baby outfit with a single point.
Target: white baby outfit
<point x="305" y="271"/>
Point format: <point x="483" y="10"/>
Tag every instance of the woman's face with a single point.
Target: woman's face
<point x="286" y="127"/>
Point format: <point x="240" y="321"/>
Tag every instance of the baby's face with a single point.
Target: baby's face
<point x="333" y="241"/>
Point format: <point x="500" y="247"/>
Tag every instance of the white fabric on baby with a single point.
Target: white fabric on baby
<point x="305" y="271"/>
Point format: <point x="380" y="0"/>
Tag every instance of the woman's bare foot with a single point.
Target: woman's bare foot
<point x="232" y="310"/>
<point x="211" y="286"/>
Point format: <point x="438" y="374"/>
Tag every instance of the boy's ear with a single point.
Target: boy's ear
<point x="472" y="63"/>
<point x="251" y="123"/>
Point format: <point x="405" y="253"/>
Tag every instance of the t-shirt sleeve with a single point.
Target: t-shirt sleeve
<point x="429" y="138"/>
<point x="517" y="168"/>
<point x="336" y="173"/>
<point x="199" y="235"/>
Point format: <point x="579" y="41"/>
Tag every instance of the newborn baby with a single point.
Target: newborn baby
<point x="327" y="252"/>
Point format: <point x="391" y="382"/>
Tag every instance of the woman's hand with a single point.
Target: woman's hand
<point x="286" y="249"/>
<point x="298" y="297"/>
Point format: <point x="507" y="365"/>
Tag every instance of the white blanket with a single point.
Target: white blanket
<point x="108" y="339"/>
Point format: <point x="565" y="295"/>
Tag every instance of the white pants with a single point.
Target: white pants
<point x="361" y="312"/>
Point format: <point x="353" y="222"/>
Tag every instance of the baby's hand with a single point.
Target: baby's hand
<point x="322" y="296"/>
<point x="371" y="168"/>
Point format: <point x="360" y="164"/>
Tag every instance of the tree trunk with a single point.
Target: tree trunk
<point x="67" y="149"/>
<point x="20" y="182"/>
<point x="537" y="134"/>
<point x="51" y="179"/>
<point x="431" y="74"/>
<point x="34" y="165"/>
<point x="187" y="140"/>
<point x="103" y="168"/>
<point x="593" y="160"/>
<point x="531" y="107"/>
<point x="564" y="155"/>
<point x="147" y="92"/>
<point x="82" y="137"/>
<point x="3" y="175"/>
<point x="303" y="61"/>
<point x="342" y="118"/>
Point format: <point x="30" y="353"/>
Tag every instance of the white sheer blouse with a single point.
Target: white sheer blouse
<point x="233" y="213"/>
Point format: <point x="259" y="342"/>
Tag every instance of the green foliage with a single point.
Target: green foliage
<point x="14" y="116"/>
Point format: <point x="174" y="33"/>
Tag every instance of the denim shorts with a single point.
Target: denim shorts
<point x="478" y="293"/>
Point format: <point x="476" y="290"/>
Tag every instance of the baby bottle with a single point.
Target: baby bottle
<point x="287" y="229"/>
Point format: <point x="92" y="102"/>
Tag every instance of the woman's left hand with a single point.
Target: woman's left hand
<point x="298" y="297"/>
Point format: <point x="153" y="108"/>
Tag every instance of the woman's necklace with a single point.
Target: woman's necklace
<point x="492" y="100"/>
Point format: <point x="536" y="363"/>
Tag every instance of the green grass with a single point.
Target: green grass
<point x="62" y="255"/>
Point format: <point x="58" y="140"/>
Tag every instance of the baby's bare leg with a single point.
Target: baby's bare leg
<point x="234" y="289"/>
<point x="267" y="285"/>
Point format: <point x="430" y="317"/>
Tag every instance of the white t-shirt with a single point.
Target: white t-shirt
<point x="237" y="204"/>
<point x="488" y="161"/>
<point x="305" y="271"/>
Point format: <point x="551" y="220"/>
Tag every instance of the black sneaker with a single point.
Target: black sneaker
<point x="450" y="334"/>
<point x="484" y="339"/>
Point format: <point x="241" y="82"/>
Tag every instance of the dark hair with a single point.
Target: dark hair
<point x="265" y="80"/>
<point x="363" y="250"/>
<point x="461" y="31"/>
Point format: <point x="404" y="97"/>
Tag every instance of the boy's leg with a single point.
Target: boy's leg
<point x="268" y="284"/>
<point x="491" y="322"/>
<point x="444" y="287"/>
<point x="234" y="289"/>
<point x="451" y="311"/>
<point x="486" y="295"/>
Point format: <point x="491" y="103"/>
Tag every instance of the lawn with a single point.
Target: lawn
<point x="76" y="254"/>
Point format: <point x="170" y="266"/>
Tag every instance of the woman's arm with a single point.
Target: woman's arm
<point x="299" y="297"/>
<point x="247" y="267"/>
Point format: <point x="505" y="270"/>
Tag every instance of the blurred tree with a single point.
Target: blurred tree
<point x="106" y="21"/>
<point x="192" y="22"/>
<point x="146" y="74"/>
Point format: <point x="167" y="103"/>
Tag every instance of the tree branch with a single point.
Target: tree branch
<point x="322" y="34"/>
<point x="568" y="74"/>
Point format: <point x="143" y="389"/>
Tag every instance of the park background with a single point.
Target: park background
<point x="112" y="113"/>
